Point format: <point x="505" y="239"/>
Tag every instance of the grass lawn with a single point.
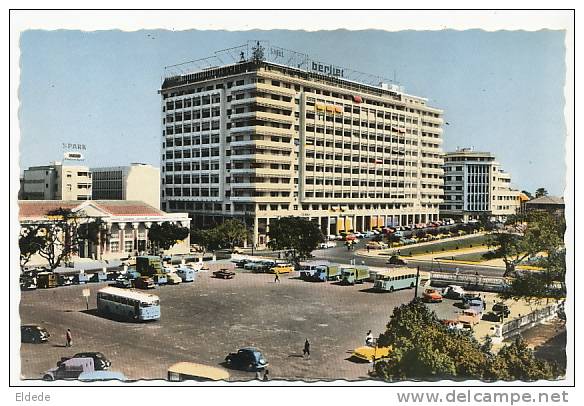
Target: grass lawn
<point x="446" y="245"/>
<point x="471" y="257"/>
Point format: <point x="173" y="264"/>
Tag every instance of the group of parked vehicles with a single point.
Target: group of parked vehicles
<point x="264" y="265"/>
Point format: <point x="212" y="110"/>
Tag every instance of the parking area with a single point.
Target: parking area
<point x="205" y="320"/>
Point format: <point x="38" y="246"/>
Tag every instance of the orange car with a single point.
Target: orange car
<point x="431" y="296"/>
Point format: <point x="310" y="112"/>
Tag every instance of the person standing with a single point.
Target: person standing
<point x="369" y="339"/>
<point x="69" y="338"/>
<point x="368" y="248"/>
<point x="306" y="351"/>
<point x="266" y="375"/>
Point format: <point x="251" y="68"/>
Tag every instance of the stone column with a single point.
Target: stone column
<point x="122" y="229"/>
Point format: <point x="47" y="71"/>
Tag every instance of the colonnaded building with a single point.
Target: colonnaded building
<point x="276" y="133"/>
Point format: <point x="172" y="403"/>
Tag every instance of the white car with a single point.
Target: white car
<point x="327" y="244"/>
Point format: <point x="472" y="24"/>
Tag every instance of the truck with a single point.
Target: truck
<point x="307" y="269"/>
<point x="149" y="265"/>
<point x="324" y="273"/>
<point x="46" y="280"/>
<point x="354" y="274"/>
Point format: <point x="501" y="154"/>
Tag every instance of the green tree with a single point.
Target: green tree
<point x="232" y="233"/>
<point x="517" y="362"/>
<point x="541" y="192"/>
<point x="55" y="238"/>
<point x="528" y="194"/>
<point x="208" y="239"/>
<point x="165" y="235"/>
<point x="423" y="348"/>
<point x="29" y="243"/>
<point x="296" y="234"/>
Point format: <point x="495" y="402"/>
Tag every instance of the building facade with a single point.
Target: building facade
<point x="258" y="140"/>
<point x="137" y="181"/>
<point x="125" y="225"/>
<point x="474" y="184"/>
<point x="551" y="204"/>
<point x="56" y="182"/>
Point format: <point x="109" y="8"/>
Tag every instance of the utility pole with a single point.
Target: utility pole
<point x="417" y="281"/>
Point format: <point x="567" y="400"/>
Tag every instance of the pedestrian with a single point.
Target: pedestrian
<point x="266" y="375"/>
<point x="306" y="351"/>
<point x="369" y="338"/>
<point x="69" y="338"/>
<point x="277" y="278"/>
<point x="368" y="249"/>
<point x="259" y="374"/>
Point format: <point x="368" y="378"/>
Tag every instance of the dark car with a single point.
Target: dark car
<point x="224" y="274"/>
<point x="100" y="362"/>
<point x="121" y="283"/>
<point x="493" y="316"/>
<point x="33" y="334"/>
<point x="144" y="282"/>
<point x="248" y="358"/>
<point x="502" y="308"/>
<point x="396" y="260"/>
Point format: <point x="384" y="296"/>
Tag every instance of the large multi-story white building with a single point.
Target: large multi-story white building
<point x="137" y="181"/>
<point x="258" y="140"/>
<point x="475" y="184"/>
<point x="56" y="182"/>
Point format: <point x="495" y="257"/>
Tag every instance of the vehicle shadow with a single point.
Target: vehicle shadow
<point x="112" y="317"/>
<point x="295" y="356"/>
<point x="373" y="290"/>
<point x="59" y="345"/>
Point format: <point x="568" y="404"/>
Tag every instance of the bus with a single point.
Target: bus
<point x="394" y="279"/>
<point x="190" y="371"/>
<point x="128" y="304"/>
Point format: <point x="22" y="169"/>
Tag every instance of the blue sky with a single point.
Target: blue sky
<point x="500" y="91"/>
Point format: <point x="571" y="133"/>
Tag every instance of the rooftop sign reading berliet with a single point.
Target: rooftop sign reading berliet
<point x="264" y="51"/>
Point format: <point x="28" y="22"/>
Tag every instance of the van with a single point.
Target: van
<point x="325" y="273"/>
<point x="186" y="274"/>
<point x="350" y="276"/>
<point x="70" y="369"/>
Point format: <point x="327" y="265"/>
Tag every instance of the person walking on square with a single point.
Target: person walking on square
<point x="306" y="350"/>
<point x="266" y="375"/>
<point x="277" y="277"/>
<point x="69" y="338"/>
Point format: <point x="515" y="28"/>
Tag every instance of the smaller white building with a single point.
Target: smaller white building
<point x="475" y="184"/>
<point x="56" y="182"/>
<point x="138" y="181"/>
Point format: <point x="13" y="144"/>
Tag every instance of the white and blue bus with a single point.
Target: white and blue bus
<point x="394" y="279"/>
<point x="128" y="304"/>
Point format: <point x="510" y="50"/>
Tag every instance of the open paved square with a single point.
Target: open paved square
<point x="205" y="320"/>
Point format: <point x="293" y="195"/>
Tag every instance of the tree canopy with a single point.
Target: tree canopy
<point x="166" y="235"/>
<point x="541" y="192"/>
<point x="297" y="234"/>
<point x="424" y="348"/>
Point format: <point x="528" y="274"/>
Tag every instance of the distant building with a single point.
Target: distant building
<point x="474" y="184"/>
<point x="551" y="204"/>
<point x="135" y="182"/>
<point x="125" y="225"/>
<point x="56" y="182"/>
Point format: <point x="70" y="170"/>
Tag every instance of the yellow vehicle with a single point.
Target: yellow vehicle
<point x="282" y="269"/>
<point x="190" y="371"/>
<point x="371" y="353"/>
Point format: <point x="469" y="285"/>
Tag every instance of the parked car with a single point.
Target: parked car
<point x="248" y="358"/>
<point x="224" y="274"/>
<point x="452" y="324"/>
<point x="327" y="244"/>
<point x="70" y="369"/>
<point x="173" y="279"/>
<point x="186" y="274"/>
<point x="453" y="292"/>
<point x="359" y="234"/>
<point x="493" y="316"/>
<point x="144" y="282"/>
<point x="469" y="318"/>
<point x="27" y="282"/>
<point x="240" y="262"/>
<point x="431" y="296"/>
<point x="502" y="308"/>
<point x="282" y="268"/>
<point x="376" y="245"/>
<point x="102" y="376"/>
<point x="33" y="334"/>
<point x="396" y="260"/>
<point x="121" y="282"/>
<point x="100" y="362"/>
<point x="371" y="353"/>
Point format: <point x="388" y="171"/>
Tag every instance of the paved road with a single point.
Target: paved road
<point x="340" y="254"/>
<point x="205" y="320"/>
